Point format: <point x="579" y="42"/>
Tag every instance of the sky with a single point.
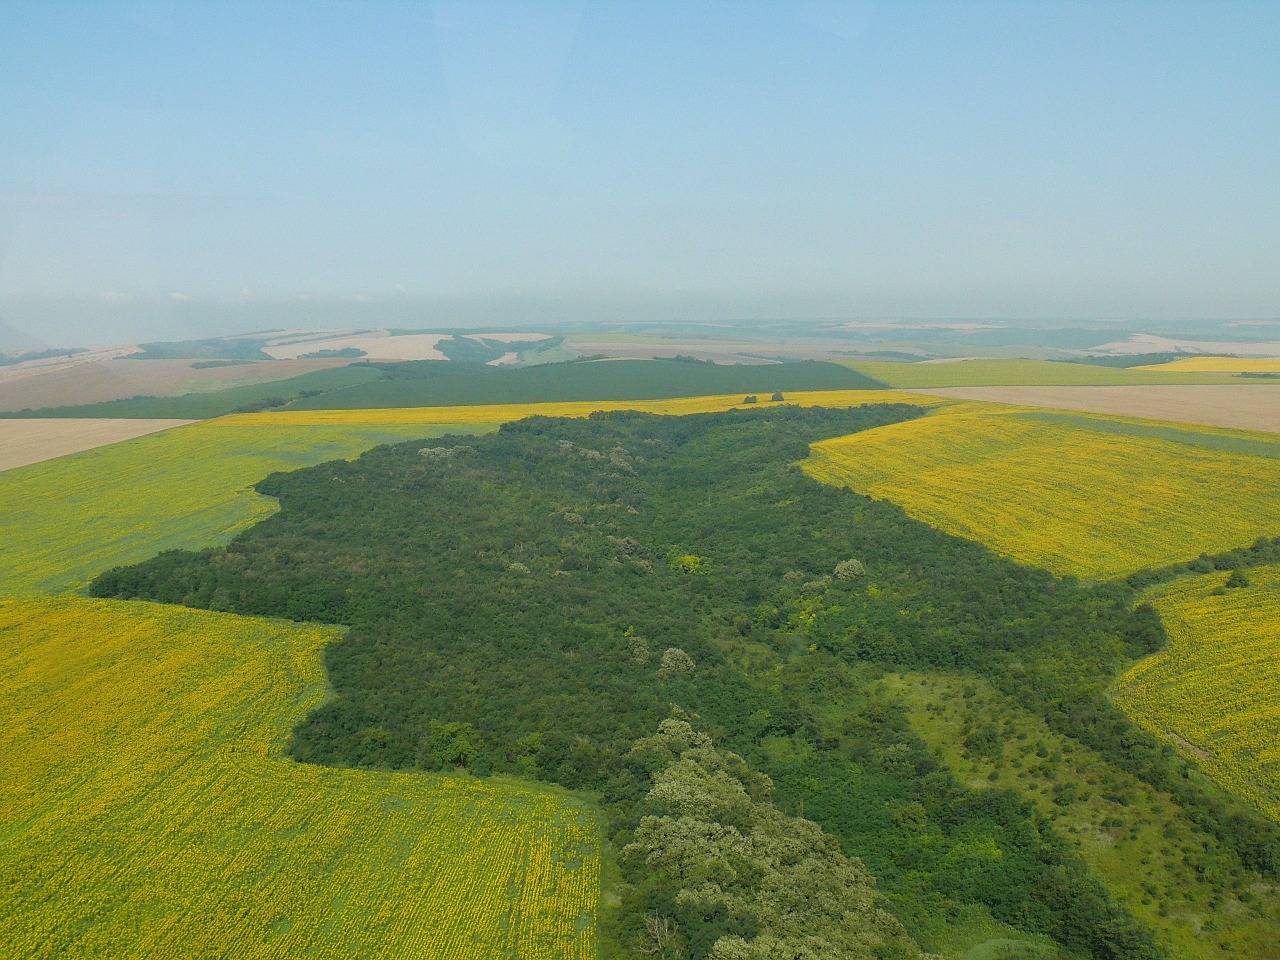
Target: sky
<point x="646" y="160"/>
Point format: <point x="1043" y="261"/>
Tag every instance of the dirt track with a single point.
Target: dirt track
<point x="30" y="441"/>
<point x="1243" y="406"/>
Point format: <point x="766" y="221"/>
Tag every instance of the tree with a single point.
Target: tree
<point x="675" y="660"/>
<point x="778" y="397"/>
<point x="850" y="569"/>
<point x="1237" y="579"/>
<point x="750" y="398"/>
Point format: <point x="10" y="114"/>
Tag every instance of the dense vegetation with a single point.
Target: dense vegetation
<point x="535" y="600"/>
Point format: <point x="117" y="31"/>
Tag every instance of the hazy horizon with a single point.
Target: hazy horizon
<point x="472" y="164"/>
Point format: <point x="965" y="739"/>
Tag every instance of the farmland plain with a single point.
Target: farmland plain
<point x="154" y="816"/>
<point x="1212" y="691"/>
<point x="1090" y="499"/>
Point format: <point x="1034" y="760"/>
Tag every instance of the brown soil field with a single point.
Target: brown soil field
<point x="30" y="441"/>
<point x="1242" y="406"/>
<point x="106" y="378"/>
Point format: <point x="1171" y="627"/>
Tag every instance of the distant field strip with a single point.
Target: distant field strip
<point x="31" y="441"/>
<point x="1240" y="406"/>
<point x="501" y="413"/>
<point x="153" y="815"/>
<point x="1218" y="365"/>
<point x="1001" y="373"/>
<point x="1215" y="690"/>
<point x="1071" y="497"/>
<point x="67" y="520"/>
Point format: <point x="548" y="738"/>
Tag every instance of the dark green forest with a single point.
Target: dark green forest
<point x="430" y="383"/>
<point x="556" y="598"/>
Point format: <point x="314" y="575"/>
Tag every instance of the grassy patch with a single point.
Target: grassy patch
<point x="1170" y="875"/>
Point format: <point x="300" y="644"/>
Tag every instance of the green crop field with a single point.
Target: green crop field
<point x="1015" y="373"/>
<point x="428" y="384"/>
<point x="154" y="816"/>
<point x="1096" y="499"/>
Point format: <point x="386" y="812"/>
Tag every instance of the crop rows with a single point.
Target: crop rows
<point x="1213" y="690"/>
<point x="1062" y="496"/>
<point x="154" y="816"/>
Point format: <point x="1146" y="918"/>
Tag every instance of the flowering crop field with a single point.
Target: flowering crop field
<point x="1213" y="690"/>
<point x="1093" y="497"/>
<point x="153" y="814"/>
<point x="1218" y="365"/>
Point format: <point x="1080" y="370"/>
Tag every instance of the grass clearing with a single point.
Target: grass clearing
<point x="1008" y="373"/>
<point x="154" y="816"/>
<point x="1073" y="497"/>
<point x="1165" y="871"/>
<point x="1213" y="690"/>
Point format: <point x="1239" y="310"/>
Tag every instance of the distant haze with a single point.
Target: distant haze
<point x="178" y="170"/>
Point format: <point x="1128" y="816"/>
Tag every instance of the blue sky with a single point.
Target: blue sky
<point x="667" y="159"/>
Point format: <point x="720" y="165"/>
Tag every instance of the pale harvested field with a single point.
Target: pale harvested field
<point x="379" y="345"/>
<point x="1253" y="406"/>
<point x="65" y="384"/>
<point x="30" y="441"/>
